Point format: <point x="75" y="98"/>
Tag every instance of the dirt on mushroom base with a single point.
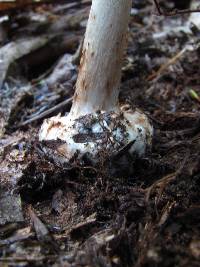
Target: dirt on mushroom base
<point x="85" y="217"/>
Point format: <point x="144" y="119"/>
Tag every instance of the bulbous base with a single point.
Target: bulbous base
<point x="100" y="133"/>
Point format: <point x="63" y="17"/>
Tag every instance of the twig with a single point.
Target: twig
<point x="174" y="12"/>
<point x="166" y="213"/>
<point x="161" y="183"/>
<point x="28" y="259"/>
<point x="6" y="6"/>
<point x="166" y="65"/>
<point x="46" y="112"/>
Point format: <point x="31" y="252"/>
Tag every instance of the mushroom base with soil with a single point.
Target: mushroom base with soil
<point x="100" y="134"/>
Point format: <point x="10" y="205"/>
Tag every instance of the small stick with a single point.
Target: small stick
<point x="46" y="112"/>
<point x="174" y="12"/>
<point x="6" y="6"/>
<point x="166" y="65"/>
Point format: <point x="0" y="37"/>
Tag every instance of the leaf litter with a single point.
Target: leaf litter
<point x="57" y="214"/>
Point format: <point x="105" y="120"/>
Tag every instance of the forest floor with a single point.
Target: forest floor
<point x="53" y="214"/>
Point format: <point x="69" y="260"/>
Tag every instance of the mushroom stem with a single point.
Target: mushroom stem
<point x="97" y="87"/>
<point x="96" y="124"/>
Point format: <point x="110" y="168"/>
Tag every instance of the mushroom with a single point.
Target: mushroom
<point x="96" y="121"/>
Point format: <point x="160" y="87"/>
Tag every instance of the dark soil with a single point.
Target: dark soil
<point x="58" y="214"/>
